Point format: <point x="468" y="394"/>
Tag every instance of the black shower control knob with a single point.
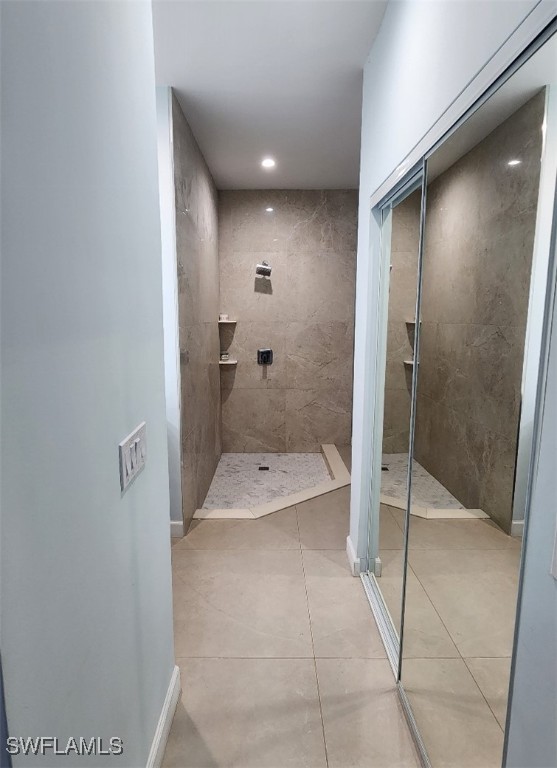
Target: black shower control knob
<point x="265" y="356"/>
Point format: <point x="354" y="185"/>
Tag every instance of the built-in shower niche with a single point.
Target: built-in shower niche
<point x="227" y="328"/>
<point x="409" y="361"/>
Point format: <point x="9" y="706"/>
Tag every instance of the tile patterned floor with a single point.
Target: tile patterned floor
<point x="458" y="628"/>
<point x="426" y="490"/>
<point x="281" y="661"/>
<point x="238" y="482"/>
<point x="282" y="664"/>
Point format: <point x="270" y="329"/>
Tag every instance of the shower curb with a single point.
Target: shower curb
<point x="435" y="513"/>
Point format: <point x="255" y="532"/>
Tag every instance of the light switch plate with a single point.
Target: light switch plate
<point x="132" y="455"/>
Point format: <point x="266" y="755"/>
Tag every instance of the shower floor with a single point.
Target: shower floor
<point x="426" y="490"/>
<point x="239" y="483"/>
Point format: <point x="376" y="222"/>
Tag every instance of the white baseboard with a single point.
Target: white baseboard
<point x="353" y="559"/>
<point x="176" y="529"/>
<point x="517" y="528"/>
<point x="160" y="738"/>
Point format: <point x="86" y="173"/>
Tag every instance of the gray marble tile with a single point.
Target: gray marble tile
<point x="481" y="473"/>
<point x="476" y="275"/>
<point x="406" y="225"/>
<point x="322" y="220"/>
<point x="396" y="421"/>
<point x="496" y="493"/>
<point x="242" y="341"/>
<point x="426" y="490"/>
<point x="322" y="285"/>
<point x="346" y="455"/>
<point x="317" y="355"/>
<point x="505" y="191"/>
<point x="314" y="417"/>
<point x="238" y="482"/>
<point x="248" y="298"/>
<point x="199" y="461"/>
<point x="474" y="369"/>
<point x="254" y="420"/>
<point x="305" y="314"/>
<point x="400" y="347"/>
<point x="198" y="288"/>
<point x="400" y="332"/>
<point x="189" y="471"/>
<point x="403" y="283"/>
<point x="439" y="431"/>
<point x="246" y="226"/>
<point x="200" y="377"/>
<point x="501" y="287"/>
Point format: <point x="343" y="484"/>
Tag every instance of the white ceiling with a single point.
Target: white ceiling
<point x="270" y="77"/>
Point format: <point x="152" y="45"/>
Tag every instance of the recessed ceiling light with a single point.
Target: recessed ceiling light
<point x="269" y="210"/>
<point x="268" y="162"/>
<point x="514" y="162"/>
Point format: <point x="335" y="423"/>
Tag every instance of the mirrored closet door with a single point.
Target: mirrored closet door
<point x="463" y="564"/>
<point x="461" y="372"/>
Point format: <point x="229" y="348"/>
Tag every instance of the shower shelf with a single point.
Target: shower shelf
<point x="227" y="322"/>
<point x="411" y="322"/>
<point x="409" y="363"/>
<point x="228" y="362"/>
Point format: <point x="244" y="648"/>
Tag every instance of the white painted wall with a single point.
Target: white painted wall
<point x="170" y="302"/>
<point x="428" y="64"/>
<point x="86" y="631"/>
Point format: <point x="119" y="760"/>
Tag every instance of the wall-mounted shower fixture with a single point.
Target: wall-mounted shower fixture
<point x="263" y="270"/>
<point x="264" y="356"/>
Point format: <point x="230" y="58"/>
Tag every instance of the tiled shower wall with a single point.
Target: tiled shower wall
<point x="304" y="312"/>
<point x="478" y="253"/>
<point x="198" y="307"/>
<point x="400" y="330"/>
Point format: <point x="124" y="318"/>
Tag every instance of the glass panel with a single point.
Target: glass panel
<point x="403" y="279"/>
<point x="463" y="564"/>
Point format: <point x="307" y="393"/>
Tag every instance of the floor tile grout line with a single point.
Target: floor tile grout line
<point x="480" y="690"/>
<point x="313" y="645"/>
<point x="462" y="658"/>
<point x="426" y="593"/>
